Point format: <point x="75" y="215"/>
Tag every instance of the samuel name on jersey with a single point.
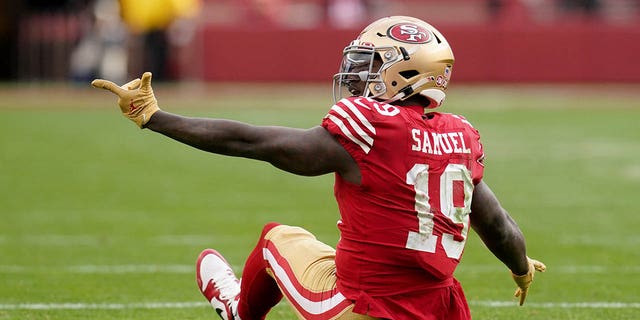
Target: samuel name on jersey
<point x="438" y="143"/>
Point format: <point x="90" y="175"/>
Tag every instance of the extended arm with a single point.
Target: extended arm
<point x="305" y="152"/>
<point x="503" y="237"/>
<point x="301" y="151"/>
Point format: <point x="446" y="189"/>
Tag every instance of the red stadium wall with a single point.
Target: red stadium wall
<point x="494" y="53"/>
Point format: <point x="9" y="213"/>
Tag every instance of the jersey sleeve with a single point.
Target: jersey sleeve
<point x="350" y="121"/>
<point x="477" y="151"/>
<point x="478" y="165"/>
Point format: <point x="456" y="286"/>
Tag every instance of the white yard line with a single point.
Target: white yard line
<point x="105" y="269"/>
<point x="93" y="240"/>
<point x="552" y="305"/>
<point x="556" y="269"/>
<point x="101" y="306"/>
<point x="187" y="305"/>
<point x="188" y="268"/>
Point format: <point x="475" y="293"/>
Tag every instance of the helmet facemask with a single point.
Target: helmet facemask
<point x="360" y="71"/>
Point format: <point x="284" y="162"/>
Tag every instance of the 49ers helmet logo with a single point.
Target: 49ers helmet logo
<point x="409" y="33"/>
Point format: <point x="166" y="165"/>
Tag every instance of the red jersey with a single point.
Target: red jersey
<point x="403" y="229"/>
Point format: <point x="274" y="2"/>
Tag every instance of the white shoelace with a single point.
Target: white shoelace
<point x="228" y="286"/>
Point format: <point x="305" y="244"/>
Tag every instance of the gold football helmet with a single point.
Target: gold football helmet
<point x="395" y="58"/>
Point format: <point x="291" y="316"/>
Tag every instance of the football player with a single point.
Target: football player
<point x="408" y="183"/>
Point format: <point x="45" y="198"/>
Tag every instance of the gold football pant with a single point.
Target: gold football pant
<point x="305" y="273"/>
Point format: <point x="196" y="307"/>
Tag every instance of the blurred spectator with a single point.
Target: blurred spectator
<point x="45" y="34"/>
<point x="124" y="34"/>
<point x="266" y="12"/>
<point x="509" y="11"/>
<point x="8" y="27"/>
<point x="588" y="7"/>
<point x="151" y="21"/>
<point x="102" y="50"/>
<point x="53" y="5"/>
<point x="494" y="7"/>
<point x="347" y="14"/>
<point x="285" y="14"/>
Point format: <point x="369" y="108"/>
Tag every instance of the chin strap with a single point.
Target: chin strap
<point x="408" y="90"/>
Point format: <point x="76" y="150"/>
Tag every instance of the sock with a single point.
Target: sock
<point x="259" y="291"/>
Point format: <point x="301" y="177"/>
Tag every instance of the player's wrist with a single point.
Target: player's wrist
<point x="145" y="118"/>
<point x="521" y="267"/>
<point x="519" y="272"/>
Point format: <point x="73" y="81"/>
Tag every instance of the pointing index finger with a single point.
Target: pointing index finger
<point x="108" y="85"/>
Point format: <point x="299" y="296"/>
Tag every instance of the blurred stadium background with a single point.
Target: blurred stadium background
<point x="283" y="40"/>
<point x="101" y="221"/>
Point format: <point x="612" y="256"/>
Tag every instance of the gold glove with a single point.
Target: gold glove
<point x="136" y="99"/>
<point x="524" y="281"/>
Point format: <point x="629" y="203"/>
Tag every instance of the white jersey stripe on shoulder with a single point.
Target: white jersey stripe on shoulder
<point x="462" y="119"/>
<point x="365" y="136"/>
<point x="359" y="114"/>
<point x="348" y="133"/>
<point x="312" y="307"/>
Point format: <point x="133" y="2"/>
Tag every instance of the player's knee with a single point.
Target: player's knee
<point x="268" y="227"/>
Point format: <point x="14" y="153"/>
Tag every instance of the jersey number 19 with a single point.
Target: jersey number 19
<point x="455" y="178"/>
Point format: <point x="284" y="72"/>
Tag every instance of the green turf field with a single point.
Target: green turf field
<point x="101" y="220"/>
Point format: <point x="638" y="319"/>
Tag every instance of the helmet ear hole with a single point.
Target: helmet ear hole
<point x="408" y="74"/>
